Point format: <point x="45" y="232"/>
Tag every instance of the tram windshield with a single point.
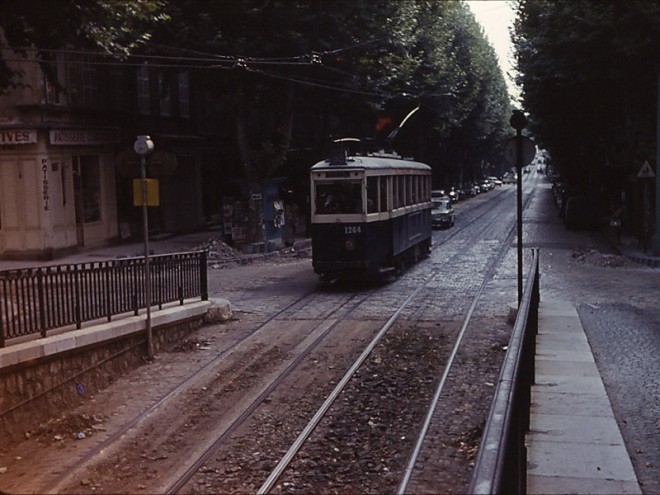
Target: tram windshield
<point x="339" y="197"/>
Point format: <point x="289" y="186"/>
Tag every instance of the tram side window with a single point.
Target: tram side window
<point x="383" y="193"/>
<point x="406" y="189"/>
<point x="396" y="198"/>
<point x="338" y="197"/>
<point x="372" y="194"/>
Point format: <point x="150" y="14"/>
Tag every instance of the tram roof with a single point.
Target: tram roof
<point x="372" y="162"/>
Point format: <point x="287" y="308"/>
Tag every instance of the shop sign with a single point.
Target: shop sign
<point x="44" y="170"/>
<point x="81" y="137"/>
<point x="18" y="136"/>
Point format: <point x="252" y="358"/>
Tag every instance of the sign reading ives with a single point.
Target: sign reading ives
<point x="18" y="136"/>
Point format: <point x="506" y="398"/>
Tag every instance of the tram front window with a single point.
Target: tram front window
<point x="343" y="197"/>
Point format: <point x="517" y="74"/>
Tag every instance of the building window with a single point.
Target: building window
<point x="164" y="96"/>
<point x="51" y="76"/>
<point x="87" y="185"/>
<point x="119" y="100"/>
<point x="82" y="81"/>
<point x="143" y="90"/>
<point x="90" y="83"/>
<point x="184" y="95"/>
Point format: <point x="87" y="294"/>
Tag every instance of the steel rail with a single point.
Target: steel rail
<point x="433" y="405"/>
<point x="293" y="450"/>
<point x="500" y="466"/>
<point x="178" y="389"/>
<point x="313" y="423"/>
<point x="181" y="481"/>
<point x="450" y="361"/>
<point x="108" y="442"/>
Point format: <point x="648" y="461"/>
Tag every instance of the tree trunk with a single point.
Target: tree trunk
<point x="255" y="228"/>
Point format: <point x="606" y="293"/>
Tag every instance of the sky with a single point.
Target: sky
<point x="496" y="17"/>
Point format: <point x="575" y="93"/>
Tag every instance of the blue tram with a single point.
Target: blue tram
<point x="371" y="215"/>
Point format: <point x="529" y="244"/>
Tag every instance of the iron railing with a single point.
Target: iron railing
<point x="36" y="300"/>
<point x="501" y="464"/>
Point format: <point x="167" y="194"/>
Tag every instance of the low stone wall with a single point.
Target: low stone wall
<point x="34" y="389"/>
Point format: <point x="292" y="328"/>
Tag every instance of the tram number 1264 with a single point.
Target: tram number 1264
<point x="352" y="229"/>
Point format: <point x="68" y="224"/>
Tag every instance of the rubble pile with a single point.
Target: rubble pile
<point x="594" y="257"/>
<point x="219" y="250"/>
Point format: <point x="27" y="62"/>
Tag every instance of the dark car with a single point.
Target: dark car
<point x="468" y="191"/>
<point x="442" y="214"/>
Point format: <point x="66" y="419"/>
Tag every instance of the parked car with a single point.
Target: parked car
<point x="510" y="178"/>
<point x="469" y="191"/>
<point x="442" y="214"/>
<point x="495" y="181"/>
<point x="485" y="185"/>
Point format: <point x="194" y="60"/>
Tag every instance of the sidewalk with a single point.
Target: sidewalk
<point x="574" y="444"/>
<point x="164" y="245"/>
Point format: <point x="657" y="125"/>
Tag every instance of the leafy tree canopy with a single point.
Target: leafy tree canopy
<point x="115" y="27"/>
<point x="588" y="71"/>
<point x="355" y="58"/>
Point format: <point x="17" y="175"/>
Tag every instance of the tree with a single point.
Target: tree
<point x="588" y="72"/>
<point x="116" y="28"/>
<point x="355" y="66"/>
<point x="269" y="53"/>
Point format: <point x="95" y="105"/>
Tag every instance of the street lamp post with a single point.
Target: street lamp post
<point x="518" y="122"/>
<point x="144" y="146"/>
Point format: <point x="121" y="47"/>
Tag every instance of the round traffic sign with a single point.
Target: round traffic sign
<point x="528" y="149"/>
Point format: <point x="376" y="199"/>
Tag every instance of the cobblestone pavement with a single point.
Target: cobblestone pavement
<point x="618" y="303"/>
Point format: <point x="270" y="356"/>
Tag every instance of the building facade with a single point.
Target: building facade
<point x="66" y="159"/>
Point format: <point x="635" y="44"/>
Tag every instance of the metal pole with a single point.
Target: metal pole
<point x="147" y="272"/>
<point x="518" y="122"/>
<point x="519" y="158"/>
<point x="144" y="146"/>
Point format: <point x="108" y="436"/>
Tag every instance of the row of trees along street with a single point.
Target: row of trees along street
<point x="281" y="77"/>
<point x="588" y="72"/>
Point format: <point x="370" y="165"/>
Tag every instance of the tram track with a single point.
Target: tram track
<point x="333" y="317"/>
<point x="200" y="380"/>
<point x="298" y="481"/>
<point x="284" y="464"/>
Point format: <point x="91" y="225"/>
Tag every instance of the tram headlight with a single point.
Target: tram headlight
<point x="349" y="243"/>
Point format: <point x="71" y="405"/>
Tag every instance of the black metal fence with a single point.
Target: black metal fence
<point x="501" y="464"/>
<point x="36" y="300"/>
